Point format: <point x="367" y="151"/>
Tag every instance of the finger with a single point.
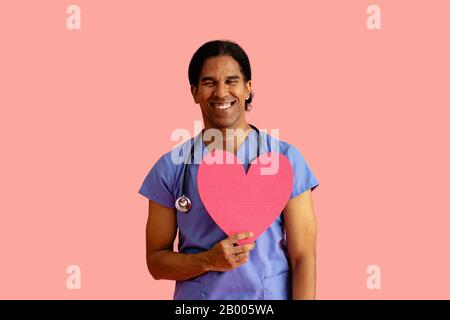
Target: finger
<point x="241" y="255"/>
<point x="243" y="258"/>
<point x="240" y="236"/>
<point x="243" y="248"/>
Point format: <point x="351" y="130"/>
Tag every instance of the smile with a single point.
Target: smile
<point x="222" y="106"/>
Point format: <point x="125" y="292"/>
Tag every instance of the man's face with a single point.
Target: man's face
<point x="221" y="93"/>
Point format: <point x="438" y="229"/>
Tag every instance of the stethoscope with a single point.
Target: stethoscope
<point x="183" y="203"/>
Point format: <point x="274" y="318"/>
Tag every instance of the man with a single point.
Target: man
<point x="280" y="264"/>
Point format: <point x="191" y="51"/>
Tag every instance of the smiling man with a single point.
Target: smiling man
<point x="223" y="93"/>
<point x="280" y="264"/>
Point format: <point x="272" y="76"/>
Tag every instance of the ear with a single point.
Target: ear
<point x="248" y="89"/>
<point x="194" y="90"/>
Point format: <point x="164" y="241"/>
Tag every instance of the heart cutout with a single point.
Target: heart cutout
<point x="238" y="201"/>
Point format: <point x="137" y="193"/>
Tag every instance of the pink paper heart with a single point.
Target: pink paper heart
<point x="240" y="202"/>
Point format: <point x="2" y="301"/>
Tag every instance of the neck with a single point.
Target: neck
<point x="230" y="139"/>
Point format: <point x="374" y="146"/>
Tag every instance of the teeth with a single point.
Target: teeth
<point x="222" y="106"/>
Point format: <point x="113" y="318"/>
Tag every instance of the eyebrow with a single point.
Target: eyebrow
<point x="208" y="78"/>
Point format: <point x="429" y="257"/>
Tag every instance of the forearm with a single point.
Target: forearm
<point x="304" y="279"/>
<point x="169" y="265"/>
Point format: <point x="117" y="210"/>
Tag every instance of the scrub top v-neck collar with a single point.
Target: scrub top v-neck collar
<point x="244" y="158"/>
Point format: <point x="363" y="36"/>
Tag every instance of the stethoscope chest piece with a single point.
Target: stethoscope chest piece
<point x="183" y="204"/>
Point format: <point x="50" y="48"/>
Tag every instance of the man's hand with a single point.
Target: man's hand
<point x="227" y="255"/>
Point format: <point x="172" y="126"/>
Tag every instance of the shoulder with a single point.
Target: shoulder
<point x="178" y="154"/>
<point x="159" y="184"/>
<point x="304" y="177"/>
<point x="283" y="147"/>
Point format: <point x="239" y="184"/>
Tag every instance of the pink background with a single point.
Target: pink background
<point x="85" y="114"/>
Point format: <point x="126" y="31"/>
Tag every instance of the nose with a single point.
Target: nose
<point x="221" y="90"/>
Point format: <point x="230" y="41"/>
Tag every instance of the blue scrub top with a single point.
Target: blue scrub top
<point x="266" y="275"/>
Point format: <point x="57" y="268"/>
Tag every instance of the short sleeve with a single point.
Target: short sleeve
<point x="304" y="178"/>
<point x="158" y="184"/>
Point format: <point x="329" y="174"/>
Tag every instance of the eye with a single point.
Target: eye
<point x="233" y="82"/>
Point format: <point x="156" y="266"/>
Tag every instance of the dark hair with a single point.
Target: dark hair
<point x="220" y="48"/>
